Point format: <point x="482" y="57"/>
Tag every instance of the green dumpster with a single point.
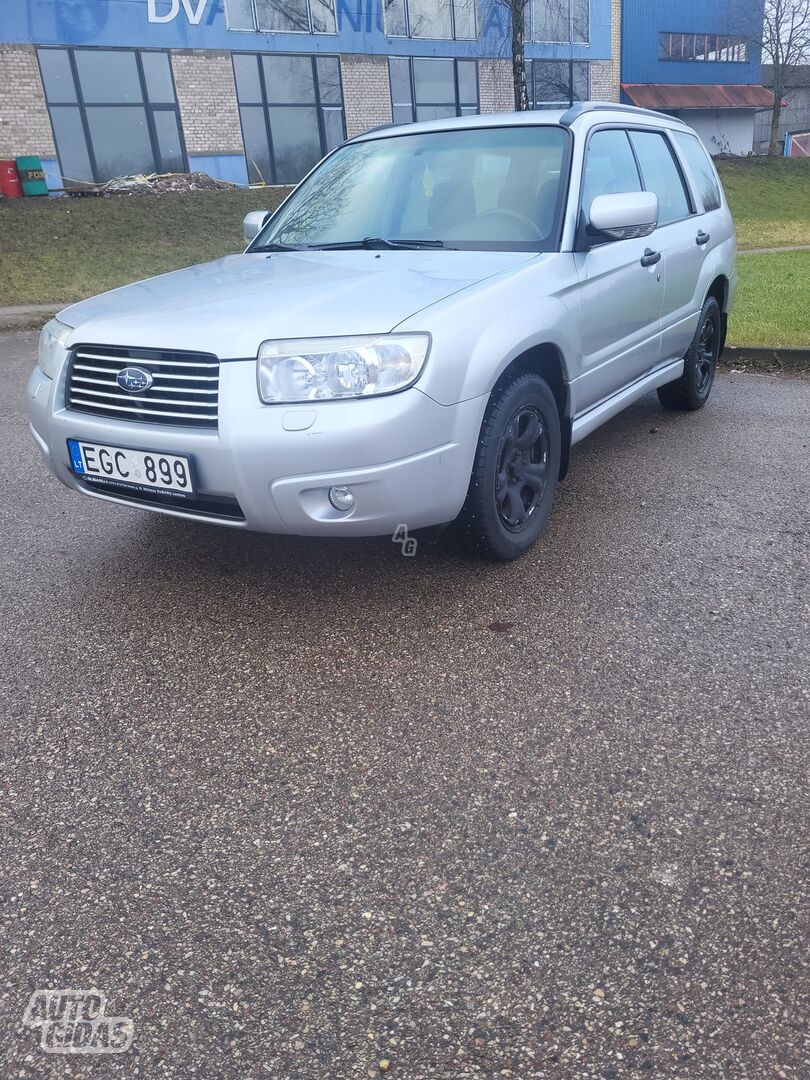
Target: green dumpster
<point x="32" y="176"/>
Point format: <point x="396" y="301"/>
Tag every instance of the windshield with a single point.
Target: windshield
<point x="490" y="188"/>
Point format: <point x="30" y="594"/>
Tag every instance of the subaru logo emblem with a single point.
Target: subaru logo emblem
<point x="134" y="380"/>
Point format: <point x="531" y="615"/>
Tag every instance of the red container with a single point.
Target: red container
<point x="10" y="185"/>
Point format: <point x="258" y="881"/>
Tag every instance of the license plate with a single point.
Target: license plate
<point x="138" y="468"/>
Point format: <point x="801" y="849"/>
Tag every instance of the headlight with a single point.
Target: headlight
<point x="52" y="346"/>
<point x="321" y="369"/>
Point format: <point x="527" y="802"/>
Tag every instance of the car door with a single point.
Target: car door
<point x="621" y="282"/>
<point x="712" y="222"/>
<point x="679" y="237"/>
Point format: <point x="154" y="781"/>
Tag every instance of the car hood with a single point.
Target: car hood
<point x="231" y="305"/>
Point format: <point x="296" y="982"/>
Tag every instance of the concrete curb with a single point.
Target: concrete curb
<point x="766" y="359"/>
<point x="27" y="316"/>
<point x="32" y="309"/>
<point x="773" y="250"/>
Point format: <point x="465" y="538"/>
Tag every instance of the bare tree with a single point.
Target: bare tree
<point x="518" y="11"/>
<point x="556" y="14"/>
<point x="786" y="45"/>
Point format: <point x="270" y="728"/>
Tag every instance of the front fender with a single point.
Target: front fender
<point x="478" y="333"/>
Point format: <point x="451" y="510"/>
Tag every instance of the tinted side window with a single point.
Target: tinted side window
<point x="701" y="169"/>
<point x="661" y="175"/>
<point x="610" y="167"/>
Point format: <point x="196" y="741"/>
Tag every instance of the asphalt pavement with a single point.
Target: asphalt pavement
<point x="311" y="809"/>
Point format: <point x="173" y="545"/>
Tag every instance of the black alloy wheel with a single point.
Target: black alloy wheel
<point x="522" y="473"/>
<point x="691" y="390"/>
<point x="515" y="471"/>
<point x="706" y="358"/>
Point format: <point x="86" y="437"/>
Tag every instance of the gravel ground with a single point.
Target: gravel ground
<point x="310" y="809"/>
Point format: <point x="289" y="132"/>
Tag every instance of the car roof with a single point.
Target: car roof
<point x="584" y="113"/>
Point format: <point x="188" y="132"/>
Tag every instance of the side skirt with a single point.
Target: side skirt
<point x="588" y="421"/>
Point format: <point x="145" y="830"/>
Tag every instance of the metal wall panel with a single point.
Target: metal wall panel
<point x="202" y="24"/>
<point x="643" y="20"/>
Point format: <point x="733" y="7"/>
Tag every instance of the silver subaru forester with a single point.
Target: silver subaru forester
<point x="416" y="337"/>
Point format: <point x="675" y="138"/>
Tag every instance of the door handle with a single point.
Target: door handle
<point x="650" y="257"/>
<point x="702" y="238"/>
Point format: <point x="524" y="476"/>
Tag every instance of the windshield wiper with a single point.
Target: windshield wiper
<point x="371" y="242"/>
<point x="275" y="247"/>
<point x="368" y="242"/>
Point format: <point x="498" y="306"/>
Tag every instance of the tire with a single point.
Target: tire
<point x="515" y="472"/>
<point x="691" y="391"/>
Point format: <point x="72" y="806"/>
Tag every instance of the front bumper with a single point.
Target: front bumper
<point x="406" y="458"/>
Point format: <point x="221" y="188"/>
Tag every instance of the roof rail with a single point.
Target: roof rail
<point x="583" y="107"/>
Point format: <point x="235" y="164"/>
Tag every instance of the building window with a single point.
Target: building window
<point x="561" y="21"/>
<point x="239" y="15"/>
<point x="292" y="112"/>
<point x="113" y="112"/>
<point x="432" y="89"/>
<point x="557" y="82"/>
<point x="438" y="19"/>
<point x="282" y="16"/>
<point x="718" y="48"/>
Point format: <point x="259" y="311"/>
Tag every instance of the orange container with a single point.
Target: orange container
<point x="10" y="185"/>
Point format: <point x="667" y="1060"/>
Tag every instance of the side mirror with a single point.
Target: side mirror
<point x="623" y="216"/>
<point x="254" y="223"/>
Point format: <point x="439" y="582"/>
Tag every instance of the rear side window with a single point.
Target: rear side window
<point x="661" y="175"/>
<point x="610" y="167"/>
<point x="701" y="169"/>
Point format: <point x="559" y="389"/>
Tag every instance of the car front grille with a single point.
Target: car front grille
<point x="184" y="385"/>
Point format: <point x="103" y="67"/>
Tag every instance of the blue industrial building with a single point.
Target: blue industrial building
<point x="260" y="89"/>
<point x="698" y="59"/>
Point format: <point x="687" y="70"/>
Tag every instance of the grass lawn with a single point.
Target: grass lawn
<point x="69" y="248"/>
<point x="769" y="199"/>
<point x="773" y="300"/>
<point x="64" y="249"/>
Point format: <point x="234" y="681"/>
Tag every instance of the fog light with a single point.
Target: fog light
<point x="341" y="498"/>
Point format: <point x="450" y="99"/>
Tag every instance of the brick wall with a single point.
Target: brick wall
<point x="496" y="91"/>
<point x="25" y="127"/>
<point x="366" y="92"/>
<point x="606" y="74"/>
<point x="616" y="49"/>
<point x="206" y="94"/>
<point x="601" y="72"/>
